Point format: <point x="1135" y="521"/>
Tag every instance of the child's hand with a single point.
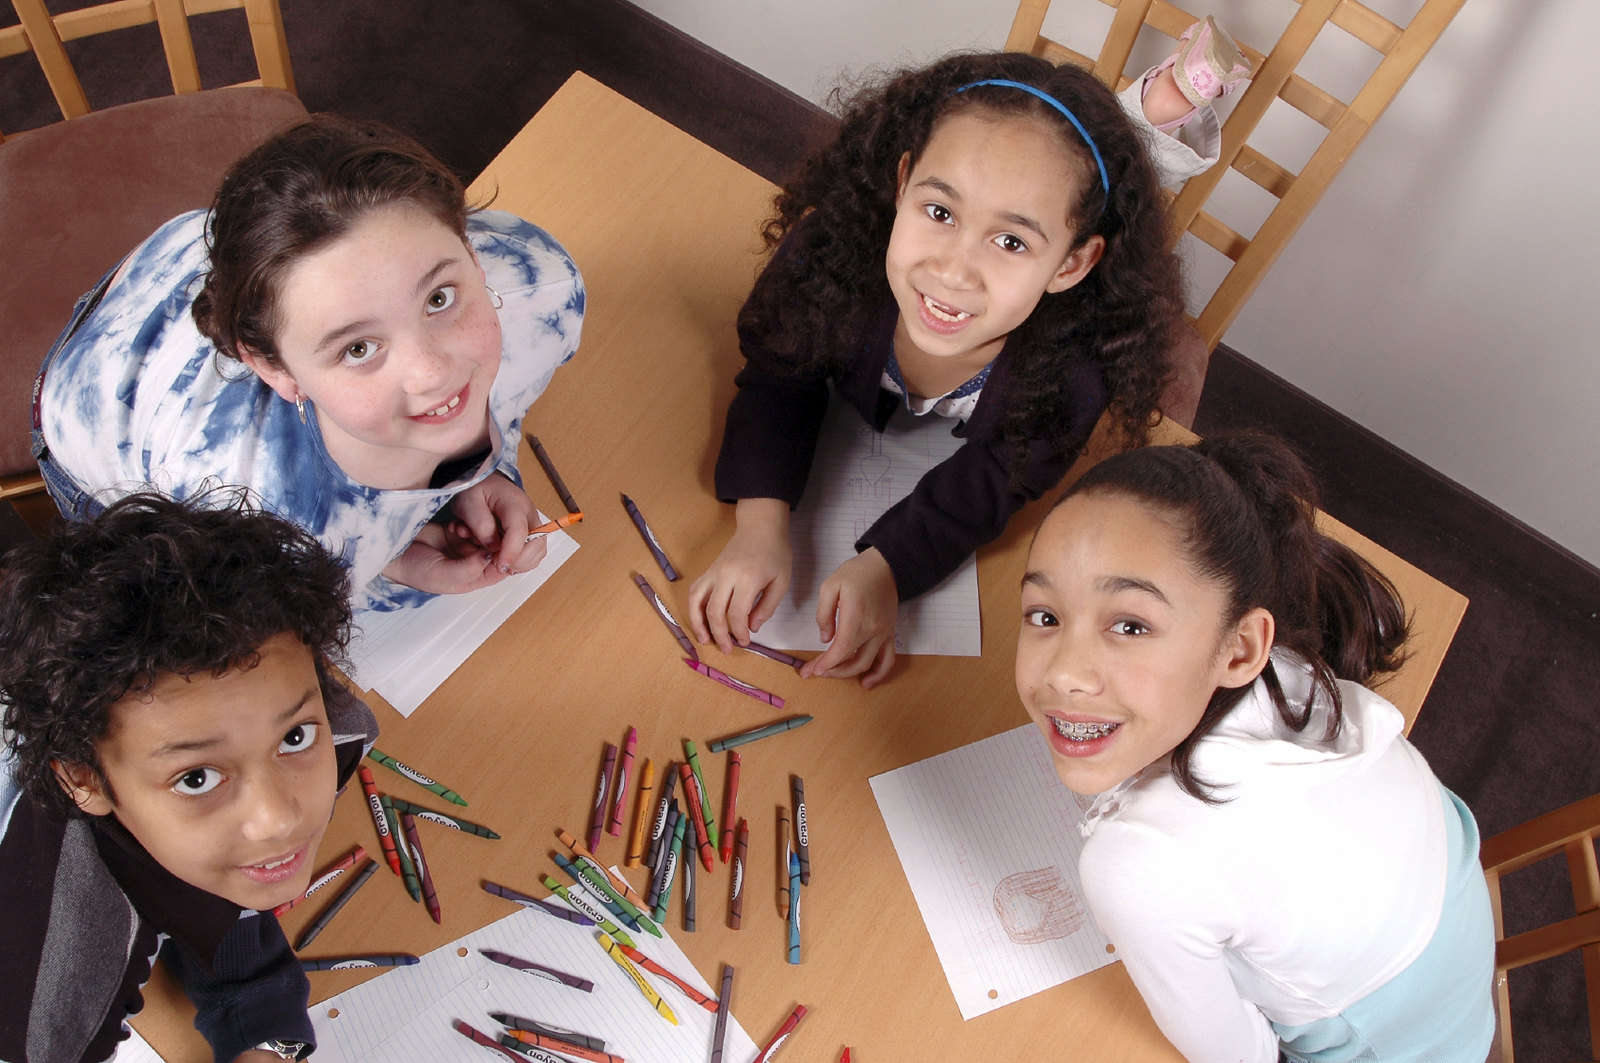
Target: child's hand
<point x="856" y="615"/>
<point x="440" y="562"/>
<point x="495" y="516"/>
<point x="742" y="588"/>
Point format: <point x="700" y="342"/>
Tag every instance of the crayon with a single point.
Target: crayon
<point x="705" y="798"/>
<point x="615" y="952"/>
<point x="666" y="616"/>
<point x="535" y="903"/>
<point x="597" y="812"/>
<point x="602" y="896"/>
<point x="802" y="827"/>
<point x="747" y="689"/>
<point x="730" y="800"/>
<point x="659" y="831"/>
<point x="688" y="990"/>
<point x="408" y="870"/>
<point x="430" y="899"/>
<point x="719" y="1033"/>
<point x="619" y="885"/>
<point x="598" y="880"/>
<point x="375" y="959"/>
<point x="327" y="875"/>
<point x="538" y="970"/>
<point x="483" y="1039"/>
<point x="669" y="869"/>
<point x="794" y="908"/>
<point x="559" y="1045"/>
<point x="650" y="539"/>
<point x="741" y="852"/>
<point x="326" y="915"/>
<point x="697" y="817"/>
<point x="550" y="471"/>
<point x="527" y="1052"/>
<point x="416" y="776"/>
<point x="552" y="525"/>
<point x="641" y="818"/>
<point x="688" y="896"/>
<point x="658" y="875"/>
<point x="774" y="654"/>
<point x="517" y="1022"/>
<point x="620" y="794"/>
<point x="582" y="902"/>
<point x="844" y="1057"/>
<point x="783" y="1033"/>
<point x="784" y="849"/>
<point x="717" y="745"/>
<point x="442" y="819"/>
<point x="379" y="820"/>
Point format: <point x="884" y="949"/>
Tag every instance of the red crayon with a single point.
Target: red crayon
<point x="730" y="800"/>
<point x="597" y="814"/>
<point x="708" y="856"/>
<point x="333" y="871"/>
<point x="651" y="965"/>
<point x="783" y="1033"/>
<point x="629" y="744"/>
<point x="566" y="1048"/>
<point x="370" y="787"/>
<point x="485" y="1040"/>
<point x="429" y="897"/>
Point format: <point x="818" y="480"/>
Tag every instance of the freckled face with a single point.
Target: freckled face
<point x="390" y="333"/>
<point x="1121" y="644"/>
<point x="227" y="781"/>
<point x="981" y="233"/>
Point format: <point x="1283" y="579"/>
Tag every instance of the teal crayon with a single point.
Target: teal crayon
<point x="577" y="876"/>
<point x="794" y="908"/>
<point x="595" y="876"/>
<point x="379" y="757"/>
<point x="443" y="819"/>
<point x="717" y="745"/>
<point x="705" y="800"/>
<point x="582" y="903"/>
<point x="658" y="869"/>
<point x="408" y="870"/>
<point x="673" y="858"/>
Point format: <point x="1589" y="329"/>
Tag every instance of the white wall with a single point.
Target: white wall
<point x="1440" y="294"/>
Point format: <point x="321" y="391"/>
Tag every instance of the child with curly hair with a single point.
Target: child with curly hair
<point x="174" y="743"/>
<point x="985" y="241"/>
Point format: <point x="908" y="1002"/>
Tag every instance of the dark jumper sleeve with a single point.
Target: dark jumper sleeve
<point x="253" y="991"/>
<point x="770" y="436"/>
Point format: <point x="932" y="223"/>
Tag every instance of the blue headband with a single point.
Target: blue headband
<point x="1105" y="182"/>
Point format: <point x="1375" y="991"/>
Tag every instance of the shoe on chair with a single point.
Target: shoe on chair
<point x="1208" y="64"/>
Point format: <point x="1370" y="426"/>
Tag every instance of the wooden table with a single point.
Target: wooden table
<point x="664" y="229"/>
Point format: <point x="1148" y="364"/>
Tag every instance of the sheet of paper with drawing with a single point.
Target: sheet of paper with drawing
<point x="404" y="655"/>
<point x="988" y="838"/>
<point x="856" y="475"/>
<point x="407" y="1013"/>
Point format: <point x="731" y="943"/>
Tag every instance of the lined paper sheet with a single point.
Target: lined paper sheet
<point x="406" y="1013"/>
<point x="136" y="1050"/>
<point x="988" y="838"/>
<point x="856" y="475"/>
<point x="404" y="655"/>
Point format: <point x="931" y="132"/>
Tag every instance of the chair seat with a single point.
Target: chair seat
<point x="78" y="195"/>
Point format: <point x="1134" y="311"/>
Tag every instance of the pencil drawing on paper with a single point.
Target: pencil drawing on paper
<point x="1037" y="906"/>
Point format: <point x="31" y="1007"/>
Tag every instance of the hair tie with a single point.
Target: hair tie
<point x="1105" y="182"/>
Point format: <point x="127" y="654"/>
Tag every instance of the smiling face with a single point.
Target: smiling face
<point x="389" y="332"/>
<point x="1122" y="644"/>
<point x="227" y="781"/>
<point x="981" y="232"/>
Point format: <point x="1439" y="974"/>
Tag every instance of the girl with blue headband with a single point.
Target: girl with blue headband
<point x="985" y="241"/>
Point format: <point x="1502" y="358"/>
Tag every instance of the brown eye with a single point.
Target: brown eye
<point x="441" y="298"/>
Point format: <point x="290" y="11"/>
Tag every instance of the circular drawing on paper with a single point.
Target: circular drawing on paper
<point x="1036" y="906"/>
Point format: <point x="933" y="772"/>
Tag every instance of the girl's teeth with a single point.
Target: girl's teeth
<point x="1073" y="731"/>
<point x="944" y="313"/>
<point x="275" y="863"/>
<point x="446" y="408"/>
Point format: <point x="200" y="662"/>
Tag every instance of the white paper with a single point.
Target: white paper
<point x="136" y="1050"/>
<point x="988" y="838"/>
<point x="407" y="1012"/>
<point x="404" y="655"/>
<point x="856" y="475"/>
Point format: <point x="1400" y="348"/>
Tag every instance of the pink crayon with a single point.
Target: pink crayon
<point x="740" y="685"/>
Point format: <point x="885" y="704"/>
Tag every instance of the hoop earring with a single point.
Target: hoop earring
<point x="494" y="297"/>
<point x="300" y="407"/>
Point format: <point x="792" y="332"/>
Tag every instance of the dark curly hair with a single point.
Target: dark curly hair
<point x="150" y="587"/>
<point x="839" y="211"/>
<point x="1245" y="504"/>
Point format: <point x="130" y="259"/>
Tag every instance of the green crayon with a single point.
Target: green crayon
<point x="408" y="870"/>
<point x="590" y="909"/>
<point x="705" y="795"/>
<point x="443" y="819"/>
<point x="379" y="757"/>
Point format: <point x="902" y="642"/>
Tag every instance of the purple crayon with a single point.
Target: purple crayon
<point x="740" y="685"/>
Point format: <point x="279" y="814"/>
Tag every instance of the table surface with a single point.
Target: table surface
<point x="665" y="231"/>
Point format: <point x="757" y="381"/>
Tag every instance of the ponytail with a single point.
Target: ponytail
<point x="1246" y="505"/>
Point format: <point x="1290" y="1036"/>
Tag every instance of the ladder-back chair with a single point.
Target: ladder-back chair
<point x="77" y="195"/>
<point x="1569" y="832"/>
<point x="1275" y="77"/>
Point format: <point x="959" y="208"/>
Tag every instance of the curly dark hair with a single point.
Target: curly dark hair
<point x="1121" y="317"/>
<point x="150" y="587"/>
<point x="1246" y="506"/>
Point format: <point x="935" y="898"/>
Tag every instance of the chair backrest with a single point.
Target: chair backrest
<point x="1569" y="832"/>
<point x="1401" y="48"/>
<point x="42" y="33"/>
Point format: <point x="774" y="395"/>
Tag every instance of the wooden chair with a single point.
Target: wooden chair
<point x="1569" y="832"/>
<point x="77" y="195"/>
<point x="1401" y="49"/>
